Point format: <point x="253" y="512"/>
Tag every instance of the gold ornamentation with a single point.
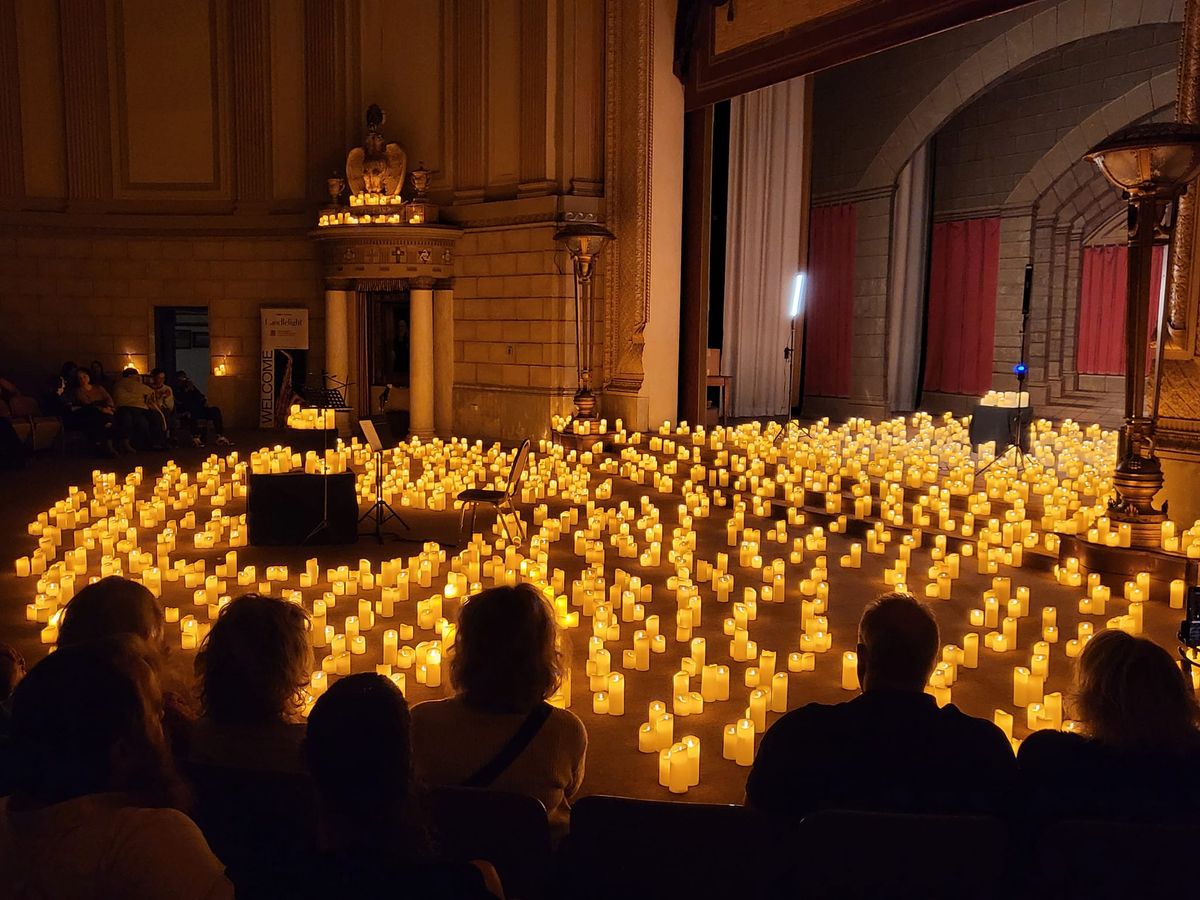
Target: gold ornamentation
<point x="377" y="168"/>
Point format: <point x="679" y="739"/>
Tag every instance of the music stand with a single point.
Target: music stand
<point x="324" y="399"/>
<point x="380" y="510"/>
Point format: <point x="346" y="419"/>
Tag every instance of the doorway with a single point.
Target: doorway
<point x="387" y="364"/>
<point x="181" y="342"/>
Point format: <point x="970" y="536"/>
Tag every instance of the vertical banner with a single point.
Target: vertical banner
<point x="266" y="390"/>
<point x="282" y="362"/>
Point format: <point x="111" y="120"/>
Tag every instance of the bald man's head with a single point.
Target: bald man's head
<point x="898" y="644"/>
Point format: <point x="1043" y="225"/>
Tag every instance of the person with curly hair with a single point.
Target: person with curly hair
<point x="252" y="670"/>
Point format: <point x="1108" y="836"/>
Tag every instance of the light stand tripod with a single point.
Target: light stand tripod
<point x="380" y="511"/>
<point x="1016" y="431"/>
<point x="788" y="352"/>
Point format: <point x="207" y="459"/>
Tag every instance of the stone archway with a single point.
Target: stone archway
<point x="1145" y="100"/>
<point x="1024" y="42"/>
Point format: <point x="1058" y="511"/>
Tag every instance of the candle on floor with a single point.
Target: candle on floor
<point x="850" y="671"/>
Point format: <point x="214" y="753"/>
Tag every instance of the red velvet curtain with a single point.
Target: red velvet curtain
<point x="829" y="301"/>
<point x="1100" y="341"/>
<point x="961" y="324"/>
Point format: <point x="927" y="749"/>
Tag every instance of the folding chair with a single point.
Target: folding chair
<point x="501" y="500"/>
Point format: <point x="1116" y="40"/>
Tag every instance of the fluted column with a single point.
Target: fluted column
<point x="470" y="91"/>
<point x="249" y="34"/>
<point x="420" y="359"/>
<point x="86" y="102"/>
<point x="443" y="361"/>
<point x="337" y="336"/>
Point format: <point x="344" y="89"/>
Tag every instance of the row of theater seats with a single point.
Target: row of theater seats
<point x="36" y="430"/>
<point x="624" y="848"/>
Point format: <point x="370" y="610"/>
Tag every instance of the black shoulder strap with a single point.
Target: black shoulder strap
<point x="507" y="755"/>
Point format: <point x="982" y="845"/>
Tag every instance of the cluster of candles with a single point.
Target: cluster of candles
<point x="282" y="460"/>
<point x="310" y="418"/>
<point x="1007" y="399"/>
<point x="583" y="427"/>
<point x="378" y="209"/>
<point x="398" y="614"/>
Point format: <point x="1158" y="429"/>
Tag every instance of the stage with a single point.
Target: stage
<point x="622" y="510"/>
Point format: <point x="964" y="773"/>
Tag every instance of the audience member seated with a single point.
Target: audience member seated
<point x="99" y="376"/>
<point x="252" y="670"/>
<point x="891" y="749"/>
<point x="373" y="840"/>
<point x="94" y="413"/>
<point x="1139" y="752"/>
<point x="112" y="606"/>
<point x="499" y="731"/>
<point x="139" y="420"/>
<point x="194" y="407"/>
<point x="91" y="813"/>
<point x="162" y="398"/>
<point x="117" y="606"/>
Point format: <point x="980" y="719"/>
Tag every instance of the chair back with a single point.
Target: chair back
<point x="518" y="468"/>
<point x="868" y="854"/>
<point x="24" y="407"/>
<point x="621" y="847"/>
<point x="713" y="361"/>
<point x="1090" y="858"/>
<point x="255" y="822"/>
<point x="508" y="830"/>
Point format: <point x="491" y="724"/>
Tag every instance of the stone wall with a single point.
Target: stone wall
<point x="524" y="111"/>
<point x="93" y="298"/>
<point x="984" y="151"/>
<point x="1011" y="103"/>
<point x="514" y="330"/>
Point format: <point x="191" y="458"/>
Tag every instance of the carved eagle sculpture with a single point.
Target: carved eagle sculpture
<point x="377" y="167"/>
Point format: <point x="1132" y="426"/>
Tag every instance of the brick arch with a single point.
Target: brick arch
<point x="1027" y="40"/>
<point x="1147" y="99"/>
<point x="1080" y="190"/>
<point x="1114" y="225"/>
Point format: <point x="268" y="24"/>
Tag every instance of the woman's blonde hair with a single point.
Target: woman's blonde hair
<point x="1131" y="694"/>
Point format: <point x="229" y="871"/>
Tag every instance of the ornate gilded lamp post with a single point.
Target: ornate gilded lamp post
<point x="1152" y="164"/>
<point x="584" y="241"/>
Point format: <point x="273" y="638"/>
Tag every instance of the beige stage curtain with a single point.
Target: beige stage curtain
<point x="762" y="247"/>
<point x="906" y="282"/>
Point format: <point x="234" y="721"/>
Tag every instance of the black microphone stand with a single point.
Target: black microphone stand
<point x="1017" y="445"/>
